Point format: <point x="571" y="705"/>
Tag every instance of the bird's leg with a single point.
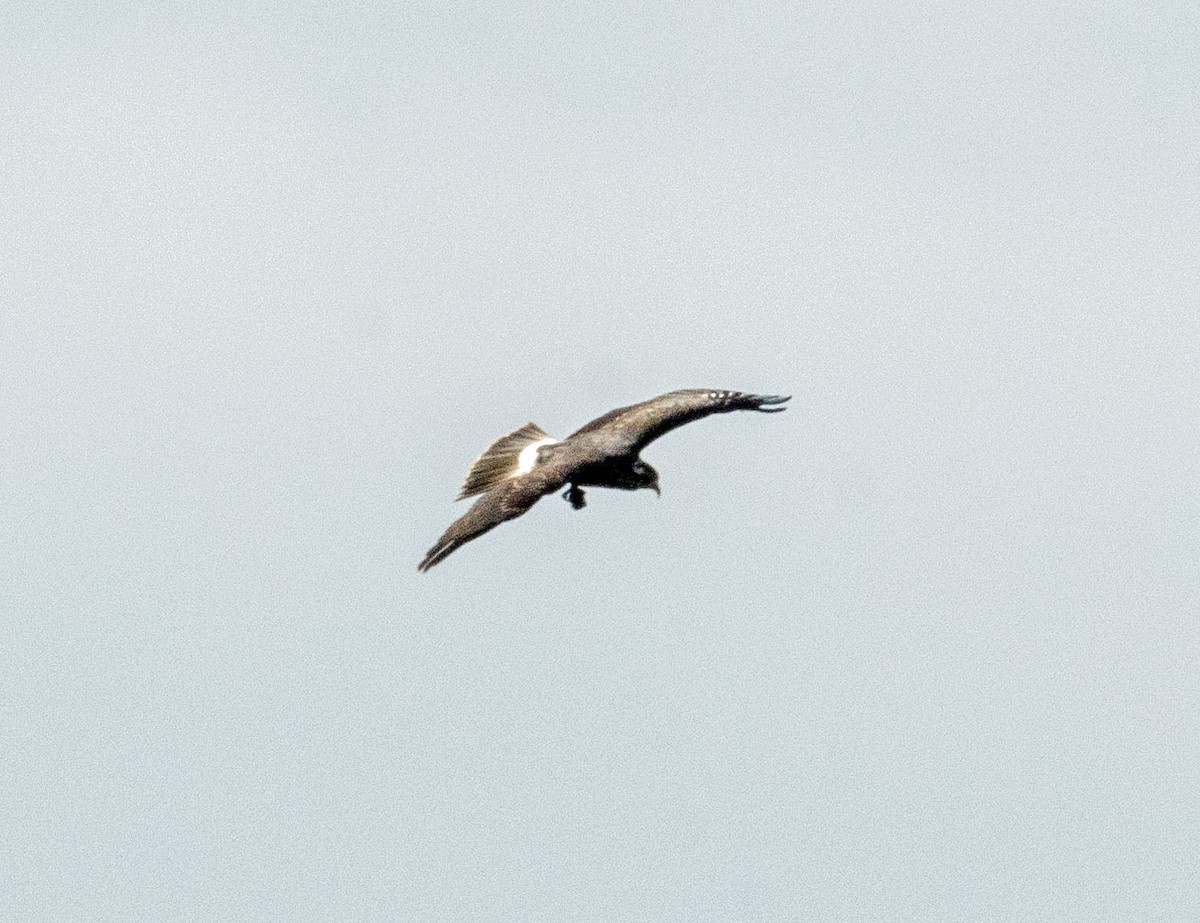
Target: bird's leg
<point x="574" y="496"/>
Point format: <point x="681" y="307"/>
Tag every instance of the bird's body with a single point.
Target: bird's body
<point x="519" y="469"/>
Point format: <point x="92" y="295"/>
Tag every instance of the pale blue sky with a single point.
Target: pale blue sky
<point x="923" y="648"/>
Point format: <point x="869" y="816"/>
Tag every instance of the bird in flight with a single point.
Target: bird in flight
<point x="519" y="469"/>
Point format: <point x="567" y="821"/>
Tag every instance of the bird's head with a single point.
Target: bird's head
<point x="645" y="476"/>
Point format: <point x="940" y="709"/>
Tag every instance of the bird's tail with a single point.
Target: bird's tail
<point x="507" y="457"/>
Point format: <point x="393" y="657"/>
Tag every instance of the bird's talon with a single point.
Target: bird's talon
<point x="575" y="497"/>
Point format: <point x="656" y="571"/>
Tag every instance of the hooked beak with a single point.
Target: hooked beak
<point x="657" y="492"/>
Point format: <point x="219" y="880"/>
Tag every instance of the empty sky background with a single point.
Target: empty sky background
<point x="923" y="648"/>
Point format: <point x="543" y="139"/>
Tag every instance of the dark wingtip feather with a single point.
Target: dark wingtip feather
<point x="436" y="554"/>
<point x="763" y="402"/>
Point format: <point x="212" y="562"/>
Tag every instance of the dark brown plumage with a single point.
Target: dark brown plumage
<point x="517" y="470"/>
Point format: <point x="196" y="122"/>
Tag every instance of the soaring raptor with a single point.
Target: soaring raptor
<point x="519" y="469"/>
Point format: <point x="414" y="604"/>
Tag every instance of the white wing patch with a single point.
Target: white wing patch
<point x="508" y="457"/>
<point x="528" y="457"/>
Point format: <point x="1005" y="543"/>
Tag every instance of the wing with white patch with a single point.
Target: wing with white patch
<point x="508" y="457"/>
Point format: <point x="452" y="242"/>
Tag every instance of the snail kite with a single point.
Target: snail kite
<point x="519" y="469"/>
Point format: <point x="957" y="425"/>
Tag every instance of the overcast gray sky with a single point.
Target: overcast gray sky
<point x="923" y="648"/>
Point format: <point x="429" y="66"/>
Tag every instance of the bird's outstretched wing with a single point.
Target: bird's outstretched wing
<point x="507" y="500"/>
<point x="632" y="428"/>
